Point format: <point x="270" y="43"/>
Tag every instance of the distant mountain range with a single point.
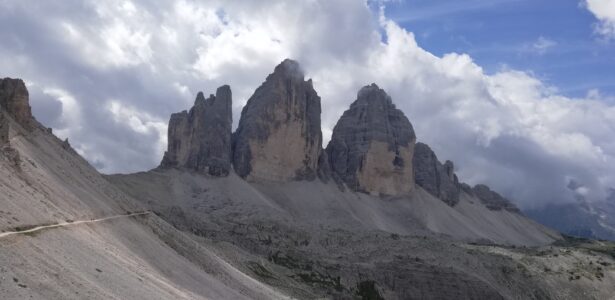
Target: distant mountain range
<point x="582" y="219"/>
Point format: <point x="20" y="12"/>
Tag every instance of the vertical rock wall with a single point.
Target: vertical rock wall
<point x="200" y="140"/>
<point x="372" y="146"/>
<point x="14" y="99"/>
<point x="279" y="136"/>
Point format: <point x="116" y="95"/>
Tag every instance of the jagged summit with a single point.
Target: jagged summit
<point x="200" y="140"/>
<point x="372" y="145"/>
<point x="200" y="98"/>
<point x="374" y="93"/>
<point x="289" y="68"/>
<point x="279" y="136"/>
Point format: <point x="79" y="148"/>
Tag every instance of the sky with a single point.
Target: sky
<point x="520" y="94"/>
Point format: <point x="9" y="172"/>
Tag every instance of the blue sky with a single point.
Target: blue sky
<point x="553" y="39"/>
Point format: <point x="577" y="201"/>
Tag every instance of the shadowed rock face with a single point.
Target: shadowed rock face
<point x="493" y="200"/>
<point x="436" y="178"/>
<point x="372" y="146"/>
<point x="14" y="99"/>
<point x="4" y="129"/>
<point x="200" y="140"/>
<point x="279" y="136"/>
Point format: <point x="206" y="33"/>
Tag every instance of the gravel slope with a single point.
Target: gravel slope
<point x="134" y="257"/>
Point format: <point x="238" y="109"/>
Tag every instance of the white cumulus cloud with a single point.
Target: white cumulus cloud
<point x="604" y="10"/>
<point x="508" y="129"/>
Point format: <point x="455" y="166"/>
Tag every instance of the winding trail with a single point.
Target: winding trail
<point x="63" y="224"/>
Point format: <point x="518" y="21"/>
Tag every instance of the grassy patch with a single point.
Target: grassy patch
<point x="317" y="278"/>
<point x="603" y="247"/>
<point x="288" y="261"/>
<point x="260" y="270"/>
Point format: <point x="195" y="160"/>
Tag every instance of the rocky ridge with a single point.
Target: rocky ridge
<point x="279" y="136"/>
<point x="436" y="178"/>
<point x="491" y="199"/>
<point x="200" y="140"/>
<point x="372" y="146"/>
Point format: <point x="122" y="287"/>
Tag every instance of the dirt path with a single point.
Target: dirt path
<point x="63" y="224"/>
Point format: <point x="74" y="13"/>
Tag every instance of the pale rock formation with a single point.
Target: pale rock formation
<point x="279" y="136"/>
<point x="200" y="140"/>
<point x="372" y="146"/>
<point x="436" y="178"/>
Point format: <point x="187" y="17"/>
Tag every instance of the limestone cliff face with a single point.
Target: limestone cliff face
<point x="14" y="99"/>
<point x="200" y="140"/>
<point x="372" y="146"/>
<point x="436" y="178"/>
<point x="279" y="136"/>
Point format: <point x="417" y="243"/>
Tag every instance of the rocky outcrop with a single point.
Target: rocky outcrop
<point x="14" y="99"/>
<point x="372" y="146"/>
<point x="279" y="136"/>
<point x="4" y="129"/>
<point x="436" y="178"/>
<point x="493" y="200"/>
<point x="200" y="140"/>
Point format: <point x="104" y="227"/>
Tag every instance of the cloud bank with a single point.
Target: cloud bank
<point x="604" y="10"/>
<point x="107" y="75"/>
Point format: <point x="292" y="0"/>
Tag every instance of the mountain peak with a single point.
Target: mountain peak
<point x="289" y="67"/>
<point x="279" y="136"/>
<point x="200" y="99"/>
<point x="200" y="139"/>
<point x="372" y="144"/>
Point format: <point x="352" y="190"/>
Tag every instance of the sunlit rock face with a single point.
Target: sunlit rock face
<point x="14" y="99"/>
<point x="372" y="146"/>
<point x="200" y="139"/>
<point x="279" y="136"/>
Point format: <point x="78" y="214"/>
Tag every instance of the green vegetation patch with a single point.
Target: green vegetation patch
<point x="260" y="270"/>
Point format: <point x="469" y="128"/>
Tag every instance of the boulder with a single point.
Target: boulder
<point x="436" y="178"/>
<point x="372" y="146"/>
<point x="14" y="99"/>
<point x="279" y="137"/>
<point x="200" y="139"/>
